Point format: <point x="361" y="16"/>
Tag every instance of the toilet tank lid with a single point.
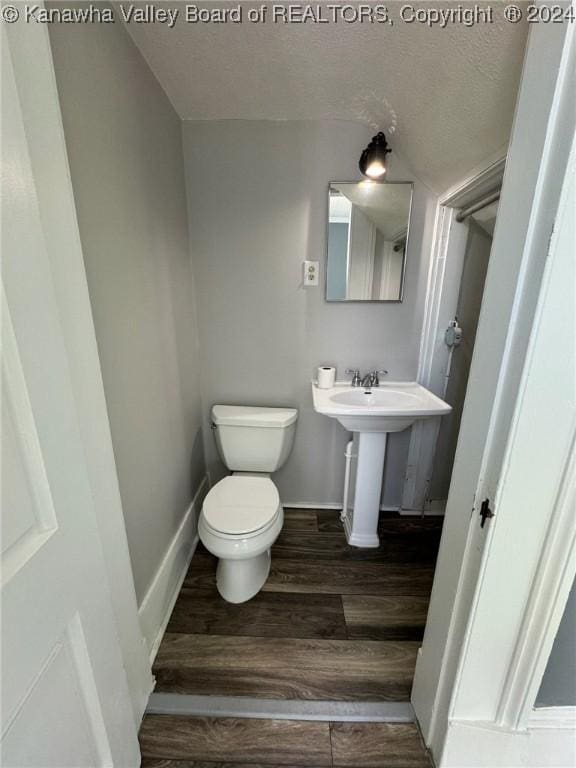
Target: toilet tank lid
<point x="253" y="416"/>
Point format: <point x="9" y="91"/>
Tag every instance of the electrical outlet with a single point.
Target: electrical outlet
<point x="311" y="269"/>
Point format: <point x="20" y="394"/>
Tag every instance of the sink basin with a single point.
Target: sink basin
<point x="391" y="407"/>
<point x="385" y="398"/>
<point x="372" y="413"/>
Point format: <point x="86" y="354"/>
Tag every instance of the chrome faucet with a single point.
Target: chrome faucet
<point x="368" y="381"/>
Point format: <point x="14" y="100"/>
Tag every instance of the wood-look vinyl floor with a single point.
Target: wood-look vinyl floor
<point x="169" y="741"/>
<point x="333" y="622"/>
<point x="291" y="668"/>
<point x="328" y="577"/>
<point x="199" y="611"/>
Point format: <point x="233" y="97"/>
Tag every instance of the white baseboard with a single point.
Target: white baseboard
<point x="420" y="513"/>
<point x="471" y="744"/>
<point x="159" y="600"/>
<point x="553" y="717"/>
<point x="434" y="512"/>
<point x="331" y="505"/>
<point x="306" y="505"/>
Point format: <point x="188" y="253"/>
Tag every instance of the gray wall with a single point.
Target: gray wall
<point x="125" y="152"/>
<point x="257" y="197"/>
<point x="558" y="688"/>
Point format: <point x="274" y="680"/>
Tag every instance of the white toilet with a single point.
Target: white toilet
<point x="242" y="515"/>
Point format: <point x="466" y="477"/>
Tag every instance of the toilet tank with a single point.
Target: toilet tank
<point x="254" y="439"/>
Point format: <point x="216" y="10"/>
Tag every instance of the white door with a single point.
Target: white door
<point x="65" y="699"/>
<point x="540" y="144"/>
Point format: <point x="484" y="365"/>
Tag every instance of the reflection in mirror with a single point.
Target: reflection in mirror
<point x="367" y="235"/>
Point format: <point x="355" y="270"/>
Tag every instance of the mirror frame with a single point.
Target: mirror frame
<point x="403" y="277"/>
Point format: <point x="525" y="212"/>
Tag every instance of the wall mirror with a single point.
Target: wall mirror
<point x="368" y="225"/>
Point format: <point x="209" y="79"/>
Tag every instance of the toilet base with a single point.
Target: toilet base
<point x="239" y="580"/>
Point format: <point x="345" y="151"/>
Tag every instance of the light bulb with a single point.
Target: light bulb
<point x="376" y="170"/>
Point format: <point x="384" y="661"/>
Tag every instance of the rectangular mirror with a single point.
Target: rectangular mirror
<point x="368" y="225"/>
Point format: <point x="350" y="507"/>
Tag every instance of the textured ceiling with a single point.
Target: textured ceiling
<point x="444" y="96"/>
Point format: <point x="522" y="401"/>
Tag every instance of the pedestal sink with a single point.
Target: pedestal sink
<point x="373" y="413"/>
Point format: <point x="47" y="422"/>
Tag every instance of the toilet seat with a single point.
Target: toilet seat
<point x="241" y="506"/>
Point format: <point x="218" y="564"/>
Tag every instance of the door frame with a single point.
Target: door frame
<point x="31" y="55"/>
<point x="444" y="277"/>
<point x="449" y="669"/>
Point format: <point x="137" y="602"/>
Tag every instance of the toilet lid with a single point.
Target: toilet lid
<point x="241" y="504"/>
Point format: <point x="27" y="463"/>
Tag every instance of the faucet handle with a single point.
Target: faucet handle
<point x="376" y="377"/>
<point x="356" y="381"/>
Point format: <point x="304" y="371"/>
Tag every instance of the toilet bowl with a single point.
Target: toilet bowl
<point x="242" y="515"/>
<point x="241" y="519"/>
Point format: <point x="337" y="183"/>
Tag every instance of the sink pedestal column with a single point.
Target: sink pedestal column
<point x="363" y="532"/>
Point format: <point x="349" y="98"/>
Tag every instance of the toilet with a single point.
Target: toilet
<point x="242" y="515"/>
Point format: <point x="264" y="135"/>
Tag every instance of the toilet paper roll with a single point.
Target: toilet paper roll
<point x="326" y="376"/>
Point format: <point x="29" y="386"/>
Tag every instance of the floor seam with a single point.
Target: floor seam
<point x="330" y="724"/>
